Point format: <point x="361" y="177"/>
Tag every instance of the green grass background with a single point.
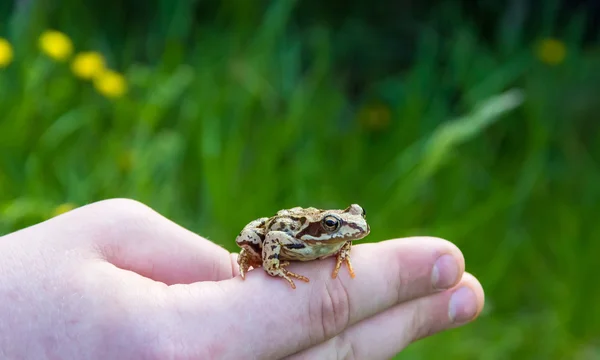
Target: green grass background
<point x="245" y="113"/>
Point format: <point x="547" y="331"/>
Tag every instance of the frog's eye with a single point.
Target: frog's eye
<point x="331" y="223"/>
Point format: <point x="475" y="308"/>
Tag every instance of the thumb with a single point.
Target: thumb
<point x="132" y="236"/>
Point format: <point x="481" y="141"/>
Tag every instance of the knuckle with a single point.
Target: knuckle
<point x="123" y="207"/>
<point x="332" y="309"/>
<point x="420" y="326"/>
<point x="403" y="284"/>
<point x="121" y="211"/>
<point x="118" y="219"/>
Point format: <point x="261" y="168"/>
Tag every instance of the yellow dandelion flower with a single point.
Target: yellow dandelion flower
<point x="551" y="51"/>
<point x="88" y="64"/>
<point x="6" y="53"/>
<point x="56" y="45"/>
<point x="63" y="208"/>
<point x="375" y="116"/>
<point x="110" y="84"/>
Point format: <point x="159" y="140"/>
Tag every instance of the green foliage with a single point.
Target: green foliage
<point x="485" y="146"/>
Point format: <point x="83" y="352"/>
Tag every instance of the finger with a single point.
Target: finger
<point x="132" y="236"/>
<point x="387" y="273"/>
<point x="234" y="265"/>
<point x="384" y="335"/>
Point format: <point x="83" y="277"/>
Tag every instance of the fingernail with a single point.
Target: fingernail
<point x="445" y="272"/>
<point x="463" y="305"/>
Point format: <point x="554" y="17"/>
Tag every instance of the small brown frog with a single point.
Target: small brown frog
<point x="300" y="234"/>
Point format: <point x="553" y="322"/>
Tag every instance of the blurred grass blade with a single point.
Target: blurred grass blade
<point x="274" y="24"/>
<point x="63" y="127"/>
<point x="423" y="159"/>
<point x="427" y="154"/>
<point x="450" y="135"/>
<point x="165" y="94"/>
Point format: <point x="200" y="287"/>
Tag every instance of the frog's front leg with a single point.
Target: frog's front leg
<point x="343" y="256"/>
<point x="270" y="254"/>
<point x="250" y="240"/>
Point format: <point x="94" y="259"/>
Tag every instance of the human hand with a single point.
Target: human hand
<point x="116" y="280"/>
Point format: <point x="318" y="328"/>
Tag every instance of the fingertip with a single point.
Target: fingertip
<point x="444" y="245"/>
<point x="449" y="268"/>
<point x="467" y="300"/>
<point x="440" y="258"/>
<point x="477" y="288"/>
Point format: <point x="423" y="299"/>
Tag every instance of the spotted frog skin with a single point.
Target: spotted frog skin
<point x="300" y="234"/>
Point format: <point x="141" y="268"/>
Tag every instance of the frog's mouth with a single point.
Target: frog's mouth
<point x="327" y="241"/>
<point x="340" y="239"/>
<point x="359" y="232"/>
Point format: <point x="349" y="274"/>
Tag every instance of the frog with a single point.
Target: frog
<point x="301" y="234"/>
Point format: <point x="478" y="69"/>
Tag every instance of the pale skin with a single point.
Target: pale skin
<point x="116" y="280"/>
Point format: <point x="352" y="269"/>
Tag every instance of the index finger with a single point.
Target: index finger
<point x="270" y="320"/>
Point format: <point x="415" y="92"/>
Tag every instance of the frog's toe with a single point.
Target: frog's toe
<point x="281" y="271"/>
<point x="297" y="276"/>
<point x="290" y="281"/>
<point x="338" y="266"/>
<point x="350" y="269"/>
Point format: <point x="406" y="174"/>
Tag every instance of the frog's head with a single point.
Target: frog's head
<point x="335" y="226"/>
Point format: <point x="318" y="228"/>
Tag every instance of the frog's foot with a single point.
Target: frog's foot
<point x="281" y="271"/>
<point x="343" y="256"/>
<point x="243" y="263"/>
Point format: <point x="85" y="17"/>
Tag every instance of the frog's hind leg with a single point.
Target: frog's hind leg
<point x="250" y="240"/>
<point x="271" y="263"/>
<point x="245" y="260"/>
